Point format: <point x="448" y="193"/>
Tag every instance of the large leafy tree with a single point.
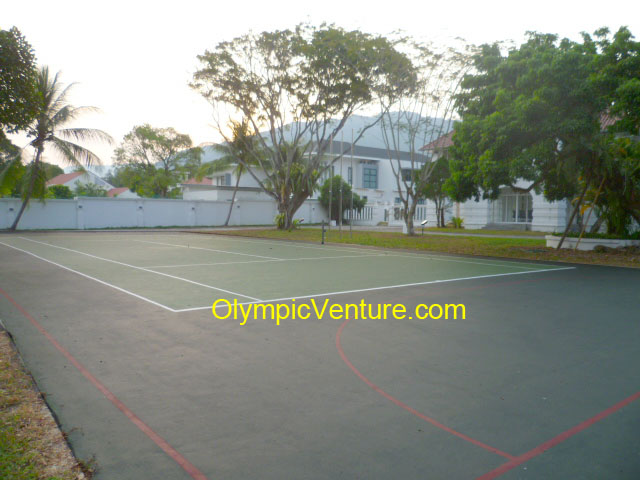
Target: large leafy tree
<point x="18" y="73"/>
<point x="49" y="129"/>
<point x="298" y="87"/>
<point x="551" y="113"/>
<point x="531" y="114"/>
<point x="150" y="161"/>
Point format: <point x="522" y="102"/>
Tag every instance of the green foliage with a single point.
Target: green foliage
<point x="59" y="191"/>
<point x="316" y="76"/>
<point x="18" y="95"/>
<point x="331" y="190"/>
<point x="90" y="190"/>
<point x="49" y="130"/>
<point x="433" y="188"/>
<point x="457" y="222"/>
<point x="537" y="114"/>
<point x="151" y="161"/>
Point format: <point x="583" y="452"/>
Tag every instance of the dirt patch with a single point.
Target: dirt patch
<point x="31" y="443"/>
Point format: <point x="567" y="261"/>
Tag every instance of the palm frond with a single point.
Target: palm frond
<point x="86" y="134"/>
<point x="75" y="154"/>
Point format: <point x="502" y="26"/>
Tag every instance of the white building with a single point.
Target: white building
<point x="369" y="171"/>
<point x="75" y="179"/>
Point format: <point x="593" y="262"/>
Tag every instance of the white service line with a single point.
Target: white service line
<point x="264" y="261"/>
<point x="208" y="249"/>
<point x="281" y="243"/>
<point x="92" y="278"/>
<point x="378" y="251"/>
<point x="145" y="270"/>
<point x="388" y="287"/>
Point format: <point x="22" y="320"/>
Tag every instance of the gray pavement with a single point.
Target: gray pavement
<point x="537" y="355"/>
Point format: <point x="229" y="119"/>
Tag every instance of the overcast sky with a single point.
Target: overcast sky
<point x="134" y="59"/>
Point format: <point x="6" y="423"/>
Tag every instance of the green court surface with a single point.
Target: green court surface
<point x="185" y="271"/>
<point x="539" y="380"/>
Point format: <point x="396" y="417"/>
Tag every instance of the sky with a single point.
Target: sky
<point x="135" y="59"/>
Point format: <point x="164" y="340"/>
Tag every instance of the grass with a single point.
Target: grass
<point x="462" y="231"/>
<point x="31" y="445"/>
<point x="520" y="248"/>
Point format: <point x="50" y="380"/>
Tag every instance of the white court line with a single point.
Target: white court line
<point x="281" y="243"/>
<point x="92" y="278"/>
<point x="388" y="287"/>
<point x="262" y="261"/>
<point x="443" y="258"/>
<point x="209" y="249"/>
<point x="145" y="270"/>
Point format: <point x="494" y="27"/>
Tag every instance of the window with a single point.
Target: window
<point x="350" y="175"/>
<point x="227" y="179"/>
<point x="421" y="201"/>
<point x="369" y="176"/>
<point x="407" y="173"/>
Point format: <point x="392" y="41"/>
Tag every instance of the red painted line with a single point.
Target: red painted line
<point x="407" y="407"/>
<point x="157" y="439"/>
<point x="558" y="439"/>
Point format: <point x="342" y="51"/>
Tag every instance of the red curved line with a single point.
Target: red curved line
<point x="525" y="457"/>
<point x="409" y="409"/>
<point x="157" y="439"/>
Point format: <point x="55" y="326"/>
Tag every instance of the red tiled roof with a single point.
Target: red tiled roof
<point x="116" y="191"/>
<point x="204" y="181"/>
<point x="440" y="143"/>
<point x="63" y="178"/>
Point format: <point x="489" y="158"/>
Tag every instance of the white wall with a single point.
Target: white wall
<point x="87" y="212"/>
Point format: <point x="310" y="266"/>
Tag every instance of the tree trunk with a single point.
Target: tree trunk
<point x="27" y="196"/>
<point x="408" y="219"/>
<point x="233" y="199"/>
<point x="573" y="215"/>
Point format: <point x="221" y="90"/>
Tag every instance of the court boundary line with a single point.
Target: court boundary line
<point x="253" y="299"/>
<point x="263" y="261"/>
<point x="208" y="249"/>
<point x="144" y="269"/>
<point x="549" y="444"/>
<point x="406" y="407"/>
<point x="176" y="456"/>
<point x="333" y="246"/>
<point x="388" y="287"/>
<point x="120" y="289"/>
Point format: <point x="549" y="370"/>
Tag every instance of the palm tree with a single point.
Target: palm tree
<point x="54" y="112"/>
<point x="238" y="153"/>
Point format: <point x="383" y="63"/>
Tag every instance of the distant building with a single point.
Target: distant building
<point x="74" y="179"/>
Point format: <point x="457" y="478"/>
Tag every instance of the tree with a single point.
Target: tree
<point x="18" y="95"/>
<point x="554" y="113"/>
<point x="53" y="112"/>
<point x="59" y="191"/>
<point x="90" y="190"/>
<point x="153" y="160"/>
<point x="300" y="86"/>
<point x="241" y="151"/>
<point x="413" y="117"/>
<point x="331" y="189"/>
<point x="434" y="190"/>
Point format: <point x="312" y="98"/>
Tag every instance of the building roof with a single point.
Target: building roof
<point x="114" y="192"/>
<point x="194" y="181"/>
<point x="63" y="178"/>
<point x="440" y="143"/>
<point x="373" y="153"/>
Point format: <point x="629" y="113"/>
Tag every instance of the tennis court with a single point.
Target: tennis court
<point x="540" y="379"/>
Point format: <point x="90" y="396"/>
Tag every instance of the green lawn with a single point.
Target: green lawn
<point x="522" y="248"/>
